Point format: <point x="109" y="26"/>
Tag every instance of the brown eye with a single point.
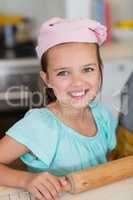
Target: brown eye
<point x="88" y="69"/>
<point x="63" y="73"/>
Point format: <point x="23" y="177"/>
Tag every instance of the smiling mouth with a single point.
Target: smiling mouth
<point x="78" y="94"/>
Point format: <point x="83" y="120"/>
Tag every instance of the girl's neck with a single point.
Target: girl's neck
<point x="70" y="113"/>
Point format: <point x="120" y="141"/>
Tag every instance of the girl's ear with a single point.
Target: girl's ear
<point x="44" y="78"/>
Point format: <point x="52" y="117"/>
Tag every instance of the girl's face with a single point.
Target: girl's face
<point x="73" y="73"/>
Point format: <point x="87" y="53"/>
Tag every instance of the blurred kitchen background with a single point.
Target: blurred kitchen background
<point x="20" y="85"/>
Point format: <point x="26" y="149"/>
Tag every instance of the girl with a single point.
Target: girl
<point x="72" y="132"/>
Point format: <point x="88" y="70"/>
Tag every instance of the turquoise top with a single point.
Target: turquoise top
<point x="59" y="149"/>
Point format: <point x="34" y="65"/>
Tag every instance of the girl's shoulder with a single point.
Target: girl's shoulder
<point x="106" y="122"/>
<point x="102" y="113"/>
<point x="36" y="120"/>
<point x="39" y="115"/>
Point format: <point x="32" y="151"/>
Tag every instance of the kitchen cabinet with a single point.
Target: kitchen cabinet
<point x="19" y="84"/>
<point x="116" y="72"/>
<point x="7" y="119"/>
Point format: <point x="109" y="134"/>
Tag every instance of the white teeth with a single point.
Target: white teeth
<point x="78" y="93"/>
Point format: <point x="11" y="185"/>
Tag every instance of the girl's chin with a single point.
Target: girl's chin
<point x="75" y="104"/>
<point x="79" y="105"/>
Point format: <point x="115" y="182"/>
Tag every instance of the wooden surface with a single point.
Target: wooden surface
<point x="122" y="190"/>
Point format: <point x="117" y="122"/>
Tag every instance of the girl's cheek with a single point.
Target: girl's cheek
<point x="60" y="88"/>
<point x="62" y="84"/>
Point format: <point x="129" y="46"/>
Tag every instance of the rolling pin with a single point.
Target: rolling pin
<point x="100" y="175"/>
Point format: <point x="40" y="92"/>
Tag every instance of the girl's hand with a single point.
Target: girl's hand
<point x="44" y="186"/>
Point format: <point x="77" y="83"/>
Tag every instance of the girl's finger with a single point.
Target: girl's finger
<point x="45" y="191"/>
<point x="37" y="194"/>
<point x="51" y="188"/>
<point x="63" y="180"/>
<point x="55" y="182"/>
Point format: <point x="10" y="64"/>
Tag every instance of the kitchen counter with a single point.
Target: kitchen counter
<point x="116" y="50"/>
<point x="122" y="190"/>
<point x="19" y="62"/>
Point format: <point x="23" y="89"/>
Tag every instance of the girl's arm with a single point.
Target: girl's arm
<point x="10" y="150"/>
<point x="42" y="185"/>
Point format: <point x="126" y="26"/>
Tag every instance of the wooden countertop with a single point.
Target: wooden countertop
<point x="122" y="190"/>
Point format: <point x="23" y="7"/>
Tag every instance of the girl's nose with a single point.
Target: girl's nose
<point x="77" y="79"/>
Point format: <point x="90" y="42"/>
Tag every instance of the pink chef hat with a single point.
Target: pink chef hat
<point x="58" y="30"/>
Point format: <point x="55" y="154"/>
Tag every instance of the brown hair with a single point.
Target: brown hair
<point x="50" y="96"/>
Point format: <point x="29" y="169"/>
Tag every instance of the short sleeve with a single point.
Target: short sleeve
<point x="38" y="133"/>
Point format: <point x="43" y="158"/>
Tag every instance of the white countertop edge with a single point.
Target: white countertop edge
<point x="19" y="62"/>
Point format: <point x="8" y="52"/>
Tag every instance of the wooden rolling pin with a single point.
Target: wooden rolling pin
<point x="100" y="175"/>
